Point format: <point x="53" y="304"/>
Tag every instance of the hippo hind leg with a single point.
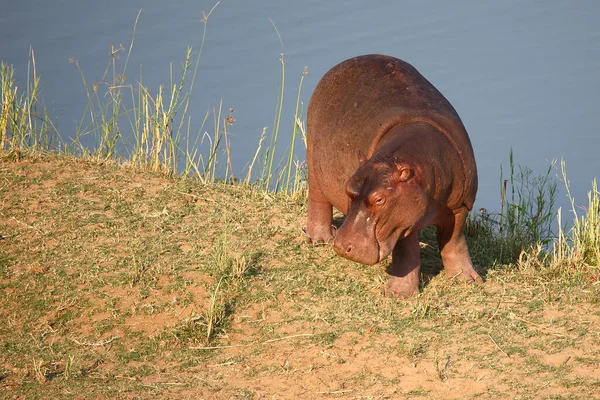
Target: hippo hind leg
<point x="320" y="214"/>
<point x="453" y="248"/>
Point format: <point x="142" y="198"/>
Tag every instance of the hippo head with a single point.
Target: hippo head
<point x="386" y="204"/>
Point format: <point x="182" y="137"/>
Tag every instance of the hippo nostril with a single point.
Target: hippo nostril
<point x="349" y="249"/>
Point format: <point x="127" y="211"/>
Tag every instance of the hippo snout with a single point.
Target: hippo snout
<point x="356" y="248"/>
<point x="343" y="248"/>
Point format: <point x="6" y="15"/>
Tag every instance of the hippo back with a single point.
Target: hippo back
<point x="357" y="102"/>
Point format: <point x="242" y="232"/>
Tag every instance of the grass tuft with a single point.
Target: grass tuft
<point x="24" y="123"/>
<point x="525" y="220"/>
<point x="528" y="213"/>
<point x="579" y="246"/>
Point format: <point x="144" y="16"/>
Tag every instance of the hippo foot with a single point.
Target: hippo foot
<point x="401" y="288"/>
<point x="320" y="235"/>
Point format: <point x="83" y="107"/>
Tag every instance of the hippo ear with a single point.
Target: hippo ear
<point x="402" y="174"/>
<point x="361" y="157"/>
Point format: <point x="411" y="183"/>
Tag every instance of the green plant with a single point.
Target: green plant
<point x="525" y="220"/>
<point x="528" y="213"/>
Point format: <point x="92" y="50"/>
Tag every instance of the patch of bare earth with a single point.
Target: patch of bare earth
<point x="122" y="284"/>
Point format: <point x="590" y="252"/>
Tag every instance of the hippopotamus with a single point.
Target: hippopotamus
<point x="387" y="149"/>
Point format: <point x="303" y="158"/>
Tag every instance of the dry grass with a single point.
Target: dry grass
<point x="119" y="283"/>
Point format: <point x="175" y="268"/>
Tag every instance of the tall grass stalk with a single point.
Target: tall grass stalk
<point x="270" y="151"/>
<point x="294" y="133"/>
<point x="256" y="154"/>
<point x="215" y="311"/>
<point x="229" y="169"/>
<point x="100" y="118"/>
<point x="212" y="159"/>
<point x="193" y="158"/>
<point x="300" y="187"/>
<point x="272" y="178"/>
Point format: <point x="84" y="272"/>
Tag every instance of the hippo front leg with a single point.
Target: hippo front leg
<point x="320" y="215"/>
<point x="453" y="248"/>
<point x="406" y="264"/>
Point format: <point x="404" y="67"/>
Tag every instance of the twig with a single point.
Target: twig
<point x="287" y="337"/>
<point x="499" y="348"/>
<point x="222" y="364"/>
<point x="188" y="194"/>
<point x="337" y="392"/>
<point x="251" y="344"/>
<point x="543" y="328"/>
<point x="495" y="312"/>
<point x="182" y="310"/>
<point x="26" y="224"/>
<point x="129" y="378"/>
<point x="165" y="383"/>
<point x="95" y="344"/>
<point x="217" y="347"/>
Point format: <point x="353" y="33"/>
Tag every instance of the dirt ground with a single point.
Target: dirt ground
<point x="116" y="283"/>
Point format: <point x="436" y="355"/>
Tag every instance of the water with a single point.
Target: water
<point x="521" y="74"/>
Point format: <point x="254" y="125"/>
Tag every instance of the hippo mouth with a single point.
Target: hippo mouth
<point x="406" y="232"/>
<point x="367" y="255"/>
<point x="387" y="246"/>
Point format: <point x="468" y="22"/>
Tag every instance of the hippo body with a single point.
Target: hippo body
<point x="388" y="150"/>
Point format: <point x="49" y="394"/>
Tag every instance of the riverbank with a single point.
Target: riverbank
<point x="123" y="283"/>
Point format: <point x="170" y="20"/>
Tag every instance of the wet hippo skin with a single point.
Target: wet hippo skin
<point x="389" y="151"/>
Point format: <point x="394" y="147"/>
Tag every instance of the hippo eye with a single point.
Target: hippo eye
<point x="377" y="200"/>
